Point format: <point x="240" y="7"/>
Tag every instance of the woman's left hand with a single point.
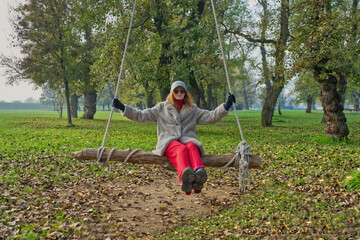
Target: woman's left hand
<point x="230" y="101"/>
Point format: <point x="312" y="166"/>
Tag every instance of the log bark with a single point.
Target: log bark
<point x="142" y="157"/>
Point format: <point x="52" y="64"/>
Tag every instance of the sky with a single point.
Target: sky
<point x="22" y="91"/>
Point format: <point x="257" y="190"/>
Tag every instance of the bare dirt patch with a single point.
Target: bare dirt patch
<point x="143" y="207"/>
<point x="149" y="202"/>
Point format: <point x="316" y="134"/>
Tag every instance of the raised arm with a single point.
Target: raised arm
<point x="206" y="116"/>
<point x="146" y="115"/>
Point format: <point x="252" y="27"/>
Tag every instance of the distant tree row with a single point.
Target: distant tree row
<point x="74" y="47"/>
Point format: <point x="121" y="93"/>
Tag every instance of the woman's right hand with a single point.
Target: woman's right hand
<point x="117" y="104"/>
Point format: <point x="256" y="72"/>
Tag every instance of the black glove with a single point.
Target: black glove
<point x="117" y="104"/>
<point x="229" y="102"/>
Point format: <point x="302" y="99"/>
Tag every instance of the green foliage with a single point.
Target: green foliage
<point x="142" y="53"/>
<point x="171" y="41"/>
<point x="322" y="32"/>
<point x="305" y="86"/>
<point x="44" y="34"/>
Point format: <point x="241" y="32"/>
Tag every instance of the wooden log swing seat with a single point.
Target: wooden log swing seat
<point x="241" y="159"/>
<point x="141" y="157"/>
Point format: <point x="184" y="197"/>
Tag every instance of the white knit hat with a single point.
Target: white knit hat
<point x="177" y="84"/>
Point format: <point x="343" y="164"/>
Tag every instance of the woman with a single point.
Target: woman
<point x="177" y="118"/>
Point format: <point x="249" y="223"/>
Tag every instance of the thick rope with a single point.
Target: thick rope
<point x="241" y="153"/>
<point x="132" y="153"/>
<point x="225" y="67"/>
<point x="118" y="82"/>
<point x="101" y="150"/>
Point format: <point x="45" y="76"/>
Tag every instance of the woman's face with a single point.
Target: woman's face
<point x="179" y="93"/>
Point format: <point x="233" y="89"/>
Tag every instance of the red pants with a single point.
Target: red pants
<point x="183" y="156"/>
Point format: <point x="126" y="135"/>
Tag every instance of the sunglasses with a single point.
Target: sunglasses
<point x="181" y="91"/>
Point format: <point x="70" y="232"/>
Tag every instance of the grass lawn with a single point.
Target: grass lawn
<point x="301" y="191"/>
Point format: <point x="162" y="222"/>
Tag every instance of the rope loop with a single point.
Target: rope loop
<point x="101" y="151"/>
<point x="99" y="154"/>
<point x="132" y="153"/>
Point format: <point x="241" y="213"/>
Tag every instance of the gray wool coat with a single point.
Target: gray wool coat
<point x="172" y="125"/>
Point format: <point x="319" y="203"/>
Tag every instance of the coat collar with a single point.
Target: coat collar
<point x="170" y="108"/>
<point x="183" y="112"/>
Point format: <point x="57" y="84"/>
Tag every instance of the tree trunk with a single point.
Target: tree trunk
<point x="196" y="90"/>
<point x="161" y="22"/>
<point x="246" y="104"/>
<point x="163" y="73"/>
<point x="203" y="102"/>
<point x="323" y="119"/>
<point x="141" y="157"/>
<point x="149" y="95"/>
<point x="150" y="99"/>
<point x="67" y="96"/>
<point x="332" y="88"/>
<point x="334" y="116"/>
<point x="279" y="109"/>
<point x="274" y="89"/>
<point x="356" y="102"/>
<point x="266" y="70"/>
<point x="210" y="96"/>
<point x="89" y="104"/>
<point x="111" y="94"/>
<point x="90" y="92"/>
<point x="74" y="105"/>
<point x="66" y="83"/>
<point x="309" y="102"/>
<point x="60" y="110"/>
<point x="267" y="111"/>
<point x="341" y="88"/>
<point x="355" y="15"/>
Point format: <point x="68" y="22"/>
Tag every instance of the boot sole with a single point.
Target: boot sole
<point x="187" y="179"/>
<point x="200" y="179"/>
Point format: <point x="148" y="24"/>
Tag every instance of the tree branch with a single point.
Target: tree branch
<point x="249" y="38"/>
<point x="11" y="66"/>
<point x="140" y="24"/>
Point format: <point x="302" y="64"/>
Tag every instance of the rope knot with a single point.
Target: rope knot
<point x="241" y="161"/>
<point x="243" y="152"/>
